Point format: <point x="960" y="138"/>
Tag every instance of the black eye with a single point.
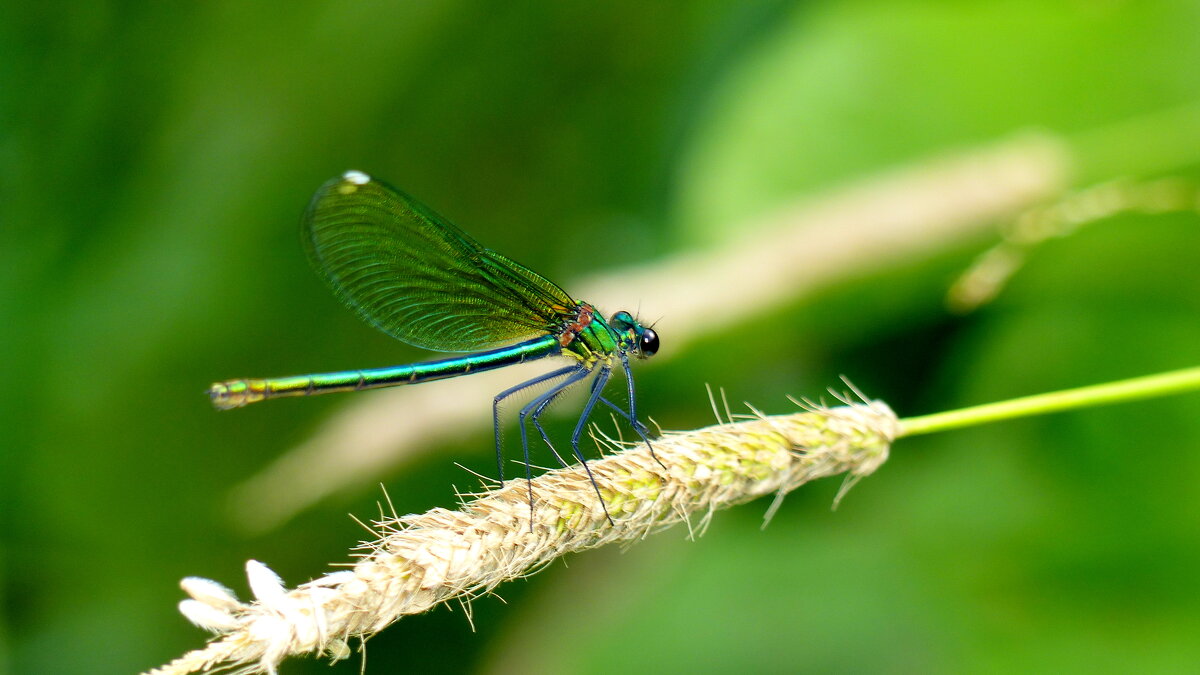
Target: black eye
<point x="649" y="342"/>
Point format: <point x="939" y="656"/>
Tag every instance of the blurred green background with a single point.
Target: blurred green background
<point x="154" y="159"/>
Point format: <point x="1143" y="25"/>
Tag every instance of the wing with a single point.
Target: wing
<point x="410" y="273"/>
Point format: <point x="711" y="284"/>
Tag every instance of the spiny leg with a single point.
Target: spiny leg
<point x="537" y="424"/>
<point x="509" y="392"/>
<point x="597" y="389"/>
<point x="638" y="427"/>
<point x="634" y="422"/>
<point x="577" y="373"/>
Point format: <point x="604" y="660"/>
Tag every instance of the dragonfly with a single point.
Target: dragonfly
<point x="415" y="276"/>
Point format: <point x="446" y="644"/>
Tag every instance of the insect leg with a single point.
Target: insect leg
<point x="638" y="428"/>
<point x="575" y="374"/>
<point x="634" y="422"/>
<point x="537" y="424"/>
<point x="509" y="392"/>
<point x="597" y="389"/>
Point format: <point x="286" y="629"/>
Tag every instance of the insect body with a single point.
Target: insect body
<point x="415" y="276"/>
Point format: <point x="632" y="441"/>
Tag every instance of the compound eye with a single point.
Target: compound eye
<point x="649" y="342"/>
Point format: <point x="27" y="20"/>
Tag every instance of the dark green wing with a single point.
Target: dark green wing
<point x="418" y="278"/>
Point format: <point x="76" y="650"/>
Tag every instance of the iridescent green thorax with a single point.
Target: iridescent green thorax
<point x="587" y="337"/>
<point x="591" y="338"/>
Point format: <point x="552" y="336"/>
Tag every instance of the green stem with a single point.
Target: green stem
<point x="1154" y="143"/>
<point x="1150" y="386"/>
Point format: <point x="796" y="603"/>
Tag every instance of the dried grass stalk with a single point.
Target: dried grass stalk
<point x="420" y="561"/>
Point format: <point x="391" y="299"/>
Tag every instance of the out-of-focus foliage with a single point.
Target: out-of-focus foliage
<point x="153" y="163"/>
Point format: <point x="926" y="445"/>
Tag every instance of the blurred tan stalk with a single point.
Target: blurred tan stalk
<point x="915" y="211"/>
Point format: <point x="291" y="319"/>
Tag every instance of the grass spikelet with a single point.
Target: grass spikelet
<point x="419" y="561"/>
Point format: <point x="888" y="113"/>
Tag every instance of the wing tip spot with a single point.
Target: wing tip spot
<point x="351" y="180"/>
